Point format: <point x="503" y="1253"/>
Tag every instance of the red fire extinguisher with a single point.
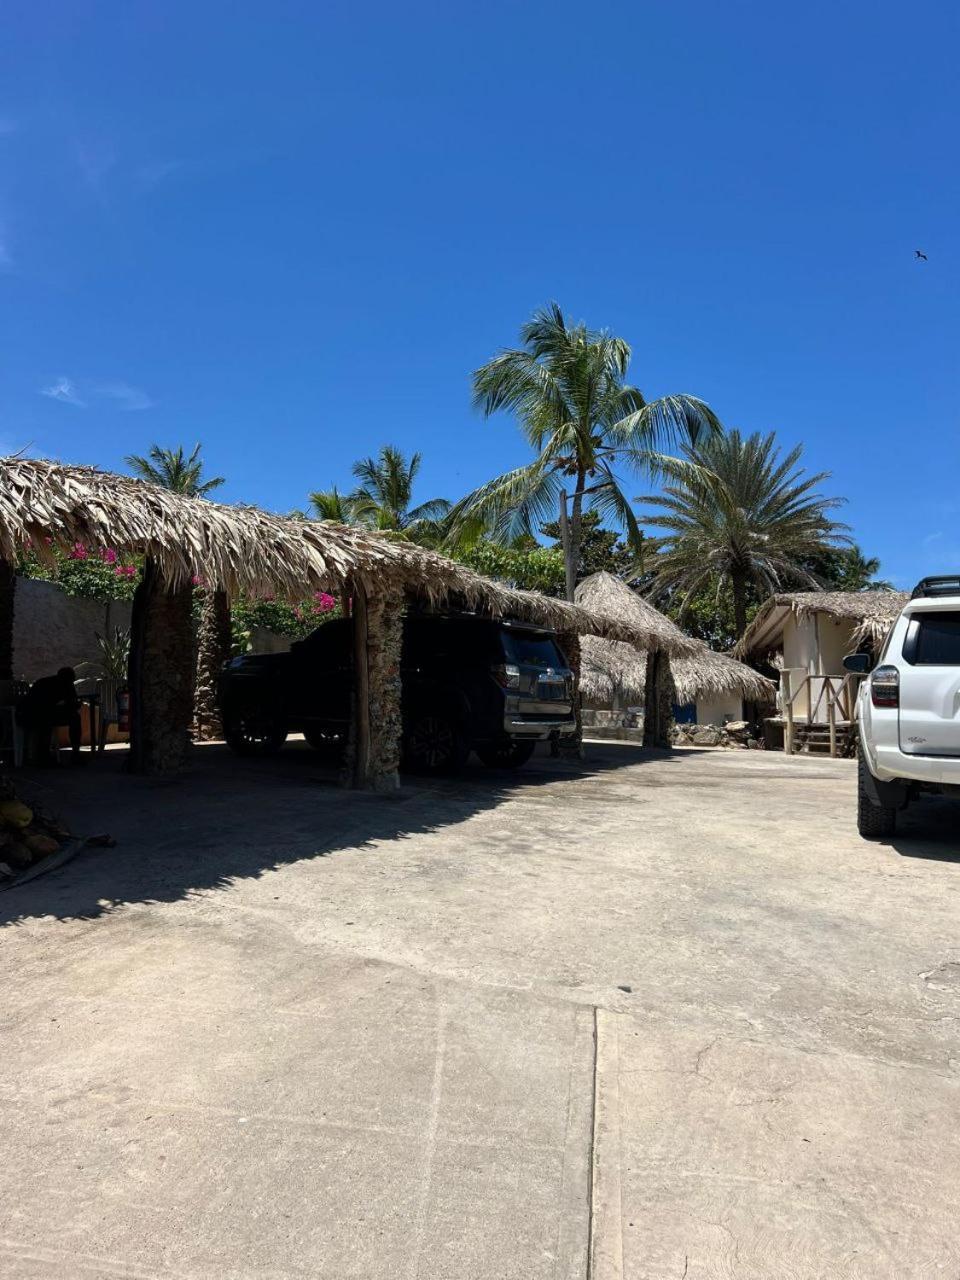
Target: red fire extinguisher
<point x="123" y="710"/>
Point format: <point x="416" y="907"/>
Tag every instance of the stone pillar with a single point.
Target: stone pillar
<point x="658" y="700"/>
<point x="8" y="589"/>
<point x="213" y="650"/>
<point x="374" y="748"/>
<point x="162" y="670"/>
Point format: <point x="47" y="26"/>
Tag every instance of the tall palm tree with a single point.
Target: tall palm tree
<point x="566" y="384"/>
<point x="172" y="469"/>
<point x="383" y="496"/>
<point x="738" y="516"/>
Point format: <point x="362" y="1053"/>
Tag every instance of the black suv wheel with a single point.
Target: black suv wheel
<point x="330" y="747"/>
<point x="508" y="753"/>
<point x="873" y="820"/>
<point x="254" y="735"/>
<point x="433" y="743"/>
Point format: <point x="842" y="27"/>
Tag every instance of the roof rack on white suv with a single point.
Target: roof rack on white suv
<point x="946" y="586"/>
<point x="909" y="708"/>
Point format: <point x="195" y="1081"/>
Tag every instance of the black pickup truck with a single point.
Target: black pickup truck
<point x="469" y="683"/>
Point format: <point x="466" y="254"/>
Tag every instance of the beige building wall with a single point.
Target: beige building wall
<point x="836" y="641"/>
<point x="718" y="707"/>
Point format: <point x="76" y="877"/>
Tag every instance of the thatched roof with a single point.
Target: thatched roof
<point x="872" y="612"/>
<point x="610" y="668"/>
<point x="241" y="548"/>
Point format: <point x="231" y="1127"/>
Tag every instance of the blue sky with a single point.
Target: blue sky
<point x="292" y="230"/>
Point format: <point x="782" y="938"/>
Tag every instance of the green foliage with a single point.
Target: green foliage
<point x="739" y="516"/>
<point x="566" y="384"/>
<point x="533" y="569"/>
<point x="115" y="653"/>
<point x="295" y="621"/>
<point x="601" y="550"/>
<point x="846" y="569"/>
<point x="84" y="571"/>
<point x="383" y="497"/>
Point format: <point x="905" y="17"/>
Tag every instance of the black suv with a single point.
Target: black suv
<point x="469" y="683"/>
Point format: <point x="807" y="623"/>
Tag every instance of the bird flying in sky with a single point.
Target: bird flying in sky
<point x="920" y="255"/>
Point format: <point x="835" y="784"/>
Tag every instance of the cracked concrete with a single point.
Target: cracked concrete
<point x="287" y="1031"/>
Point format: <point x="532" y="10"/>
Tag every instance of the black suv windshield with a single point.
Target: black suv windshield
<point x="528" y="649"/>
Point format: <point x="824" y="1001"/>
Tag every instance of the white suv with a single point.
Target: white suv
<point x="909" y="708"/>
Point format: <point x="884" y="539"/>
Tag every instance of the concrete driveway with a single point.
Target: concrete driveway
<point x="666" y="1016"/>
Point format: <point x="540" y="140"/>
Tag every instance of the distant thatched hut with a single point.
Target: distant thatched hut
<point x="242" y="549"/>
<point x="614" y="674"/>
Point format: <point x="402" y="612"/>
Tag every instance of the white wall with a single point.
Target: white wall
<point x="719" y="707"/>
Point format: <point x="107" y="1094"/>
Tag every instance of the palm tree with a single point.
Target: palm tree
<point x="172" y="469"/>
<point x="738" y="517"/>
<point x="383" y="496"/>
<point x="566" y="384"/>
<point x="331" y="504"/>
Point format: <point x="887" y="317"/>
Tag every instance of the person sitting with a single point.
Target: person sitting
<point x="49" y="703"/>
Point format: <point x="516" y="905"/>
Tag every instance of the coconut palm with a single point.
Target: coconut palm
<point x="173" y="469"/>
<point x="331" y="504"/>
<point x="383" y="496"/>
<point x="739" y="516"/>
<point x="566" y="384"/>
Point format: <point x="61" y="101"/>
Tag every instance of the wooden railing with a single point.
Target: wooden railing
<point x="829" y="699"/>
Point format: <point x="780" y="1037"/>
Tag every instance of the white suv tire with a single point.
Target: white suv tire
<point x="873" y="820"/>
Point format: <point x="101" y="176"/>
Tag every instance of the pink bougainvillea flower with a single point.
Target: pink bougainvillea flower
<point x="108" y="555"/>
<point x="78" y="551"/>
<point x="125" y="570"/>
<point x="197" y="580"/>
<point x="324" y="602"/>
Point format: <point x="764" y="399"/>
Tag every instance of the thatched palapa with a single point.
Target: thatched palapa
<point x="612" y="670"/>
<point x="872" y="612"/>
<point x="244" y="549"/>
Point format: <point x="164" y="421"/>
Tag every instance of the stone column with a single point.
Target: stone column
<point x="213" y="650"/>
<point x="374" y="748"/>
<point x="657" y="700"/>
<point x="162" y="670"/>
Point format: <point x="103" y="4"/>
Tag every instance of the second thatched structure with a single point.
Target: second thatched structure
<point x="615" y="674"/>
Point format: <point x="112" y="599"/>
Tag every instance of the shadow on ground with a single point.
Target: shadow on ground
<point x="229" y="818"/>
<point x="929" y="829"/>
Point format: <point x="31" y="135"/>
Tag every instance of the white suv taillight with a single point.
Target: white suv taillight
<point x="507" y="675"/>
<point x="885" y="687"/>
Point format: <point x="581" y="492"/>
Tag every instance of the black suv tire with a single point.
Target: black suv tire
<point x="433" y="743"/>
<point x="507" y="754"/>
<point x="330" y="747"/>
<point x="873" y="820"/>
<point x="254" y="736"/>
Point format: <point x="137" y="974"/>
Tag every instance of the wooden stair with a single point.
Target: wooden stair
<point x="814" y="739"/>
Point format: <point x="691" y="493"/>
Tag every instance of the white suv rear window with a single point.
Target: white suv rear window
<point x="933" y="640"/>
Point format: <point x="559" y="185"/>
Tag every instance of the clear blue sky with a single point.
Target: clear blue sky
<point x="291" y="230"/>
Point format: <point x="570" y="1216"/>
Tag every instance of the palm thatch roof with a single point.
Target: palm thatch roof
<point x="241" y="548"/>
<point x="872" y="612"/>
<point x="610" y="668"/>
